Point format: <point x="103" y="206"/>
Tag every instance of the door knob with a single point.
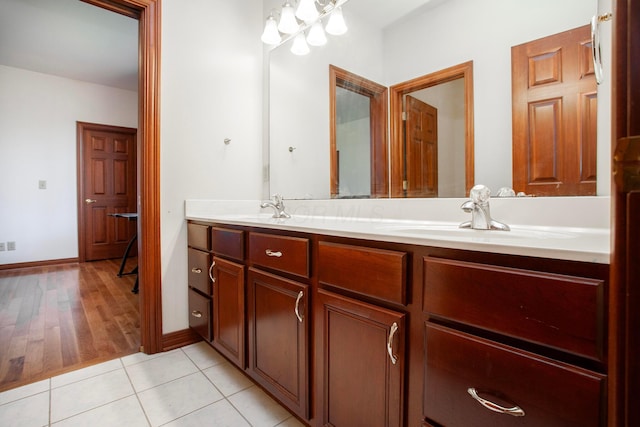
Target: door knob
<point x="89" y="201"/>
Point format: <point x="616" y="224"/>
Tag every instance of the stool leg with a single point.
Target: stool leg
<point x="126" y="254"/>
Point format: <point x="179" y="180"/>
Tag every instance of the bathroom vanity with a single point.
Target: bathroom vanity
<point x="352" y="321"/>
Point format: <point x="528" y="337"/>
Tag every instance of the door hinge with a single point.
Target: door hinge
<point x="405" y="185"/>
<point x="404" y="115"/>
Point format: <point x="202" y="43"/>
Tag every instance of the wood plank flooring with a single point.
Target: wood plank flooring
<point x="56" y="319"/>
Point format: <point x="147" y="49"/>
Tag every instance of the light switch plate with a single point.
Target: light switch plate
<point x="2" y="248"/>
<point x="11" y="246"/>
<point x="42" y="184"/>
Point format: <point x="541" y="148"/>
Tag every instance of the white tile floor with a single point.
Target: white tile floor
<point x="189" y="386"/>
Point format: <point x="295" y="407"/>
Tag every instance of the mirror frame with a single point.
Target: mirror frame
<point x="396" y="94"/>
<point x="377" y="95"/>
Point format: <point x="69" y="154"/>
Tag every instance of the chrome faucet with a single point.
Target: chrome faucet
<point x="478" y="206"/>
<point x="277" y="204"/>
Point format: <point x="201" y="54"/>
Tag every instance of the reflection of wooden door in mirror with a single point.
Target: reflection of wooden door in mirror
<point x="421" y="149"/>
<point x="377" y="132"/>
<point x="554" y="115"/>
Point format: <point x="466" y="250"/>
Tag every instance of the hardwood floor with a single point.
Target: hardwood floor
<point x="59" y="318"/>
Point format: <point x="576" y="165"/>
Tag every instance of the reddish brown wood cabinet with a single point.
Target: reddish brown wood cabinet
<point x="198" y="262"/>
<point x="351" y="332"/>
<point x="278" y="319"/>
<point x="361" y="368"/>
<point x="480" y="369"/>
<point x="229" y="310"/>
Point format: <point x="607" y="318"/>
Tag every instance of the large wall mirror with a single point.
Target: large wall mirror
<point x="396" y="42"/>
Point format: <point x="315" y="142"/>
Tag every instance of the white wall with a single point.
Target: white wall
<point x="211" y="89"/>
<point x="484" y="31"/>
<point x="38" y="114"/>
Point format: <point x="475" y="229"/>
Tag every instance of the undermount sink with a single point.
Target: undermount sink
<point x="453" y="230"/>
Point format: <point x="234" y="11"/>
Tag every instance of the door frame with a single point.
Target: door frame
<point x="396" y="92"/>
<point x="147" y="12"/>
<point x="81" y="127"/>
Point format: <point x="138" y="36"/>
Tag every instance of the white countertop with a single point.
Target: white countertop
<point x="581" y="238"/>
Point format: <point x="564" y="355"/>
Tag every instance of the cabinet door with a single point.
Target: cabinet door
<point x="228" y="310"/>
<point x="278" y="338"/>
<point x="361" y="351"/>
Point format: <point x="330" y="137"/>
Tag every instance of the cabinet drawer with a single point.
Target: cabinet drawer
<point x="198" y="236"/>
<point x="563" y="312"/>
<point x="200" y="314"/>
<point x="228" y="242"/>
<point x="551" y="394"/>
<point x="198" y="264"/>
<point x="376" y="272"/>
<point x="283" y="253"/>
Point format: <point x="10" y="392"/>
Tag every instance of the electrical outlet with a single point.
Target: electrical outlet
<point x="42" y="185"/>
<point x="11" y="246"/>
<point x="2" y="248"/>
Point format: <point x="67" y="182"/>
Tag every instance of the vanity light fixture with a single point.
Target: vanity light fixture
<point x="271" y="35"/>
<point x="300" y="46"/>
<point x="336" y="25"/>
<point x="307" y="11"/>
<point x="288" y="23"/>
<point x="316" y="36"/>
<point x="307" y="16"/>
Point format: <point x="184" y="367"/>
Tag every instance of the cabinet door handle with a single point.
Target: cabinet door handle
<point x="196" y="313"/>
<point x="300" y="295"/>
<point x="516" y="411"/>
<point x="392" y="334"/>
<point x="277" y="254"/>
<point x="213" y="279"/>
<point x="196" y="270"/>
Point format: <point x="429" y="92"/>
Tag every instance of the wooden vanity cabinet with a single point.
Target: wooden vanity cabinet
<point x="198" y="262"/>
<point x="278" y="318"/>
<point x="488" y="334"/>
<point x="361" y="344"/>
<point x="228" y="274"/>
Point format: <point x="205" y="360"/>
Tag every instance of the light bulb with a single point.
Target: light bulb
<point x="299" y="46"/>
<point x="336" y="24"/>
<point x="316" y="35"/>
<point x="270" y="35"/>
<point x="288" y="23"/>
<point x="307" y="10"/>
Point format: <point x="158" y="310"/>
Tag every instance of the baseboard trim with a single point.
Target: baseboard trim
<point x="38" y="263"/>
<point x="178" y="339"/>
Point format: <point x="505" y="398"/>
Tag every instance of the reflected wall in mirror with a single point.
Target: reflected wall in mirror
<point x="358" y="132"/>
<point x="419" y="41"/>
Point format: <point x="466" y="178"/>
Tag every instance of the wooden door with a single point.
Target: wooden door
<point x="229" y="310"/>
<point x="107" y="184"/>
<point x="421" y="149"/>
<point x="554" y="115"/>
<point x="360" y="384"/>
<point x="279" y="338"/>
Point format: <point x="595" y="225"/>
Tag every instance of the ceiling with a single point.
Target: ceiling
<point x="70" y="38"/>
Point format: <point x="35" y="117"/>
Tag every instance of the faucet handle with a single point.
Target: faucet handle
<point x="480" y="194"/>
<point x="277" y="198"/>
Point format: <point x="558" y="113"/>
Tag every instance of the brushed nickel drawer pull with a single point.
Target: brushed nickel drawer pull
<point x="300" y="295"/>
<point x="392" y="333"/>
<point x="196" y="270"/>
<point x="516" y="411"/>
<point x="213" y="279"/>
<point x="277" y="254"/>
<point x="196" y="313"/>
